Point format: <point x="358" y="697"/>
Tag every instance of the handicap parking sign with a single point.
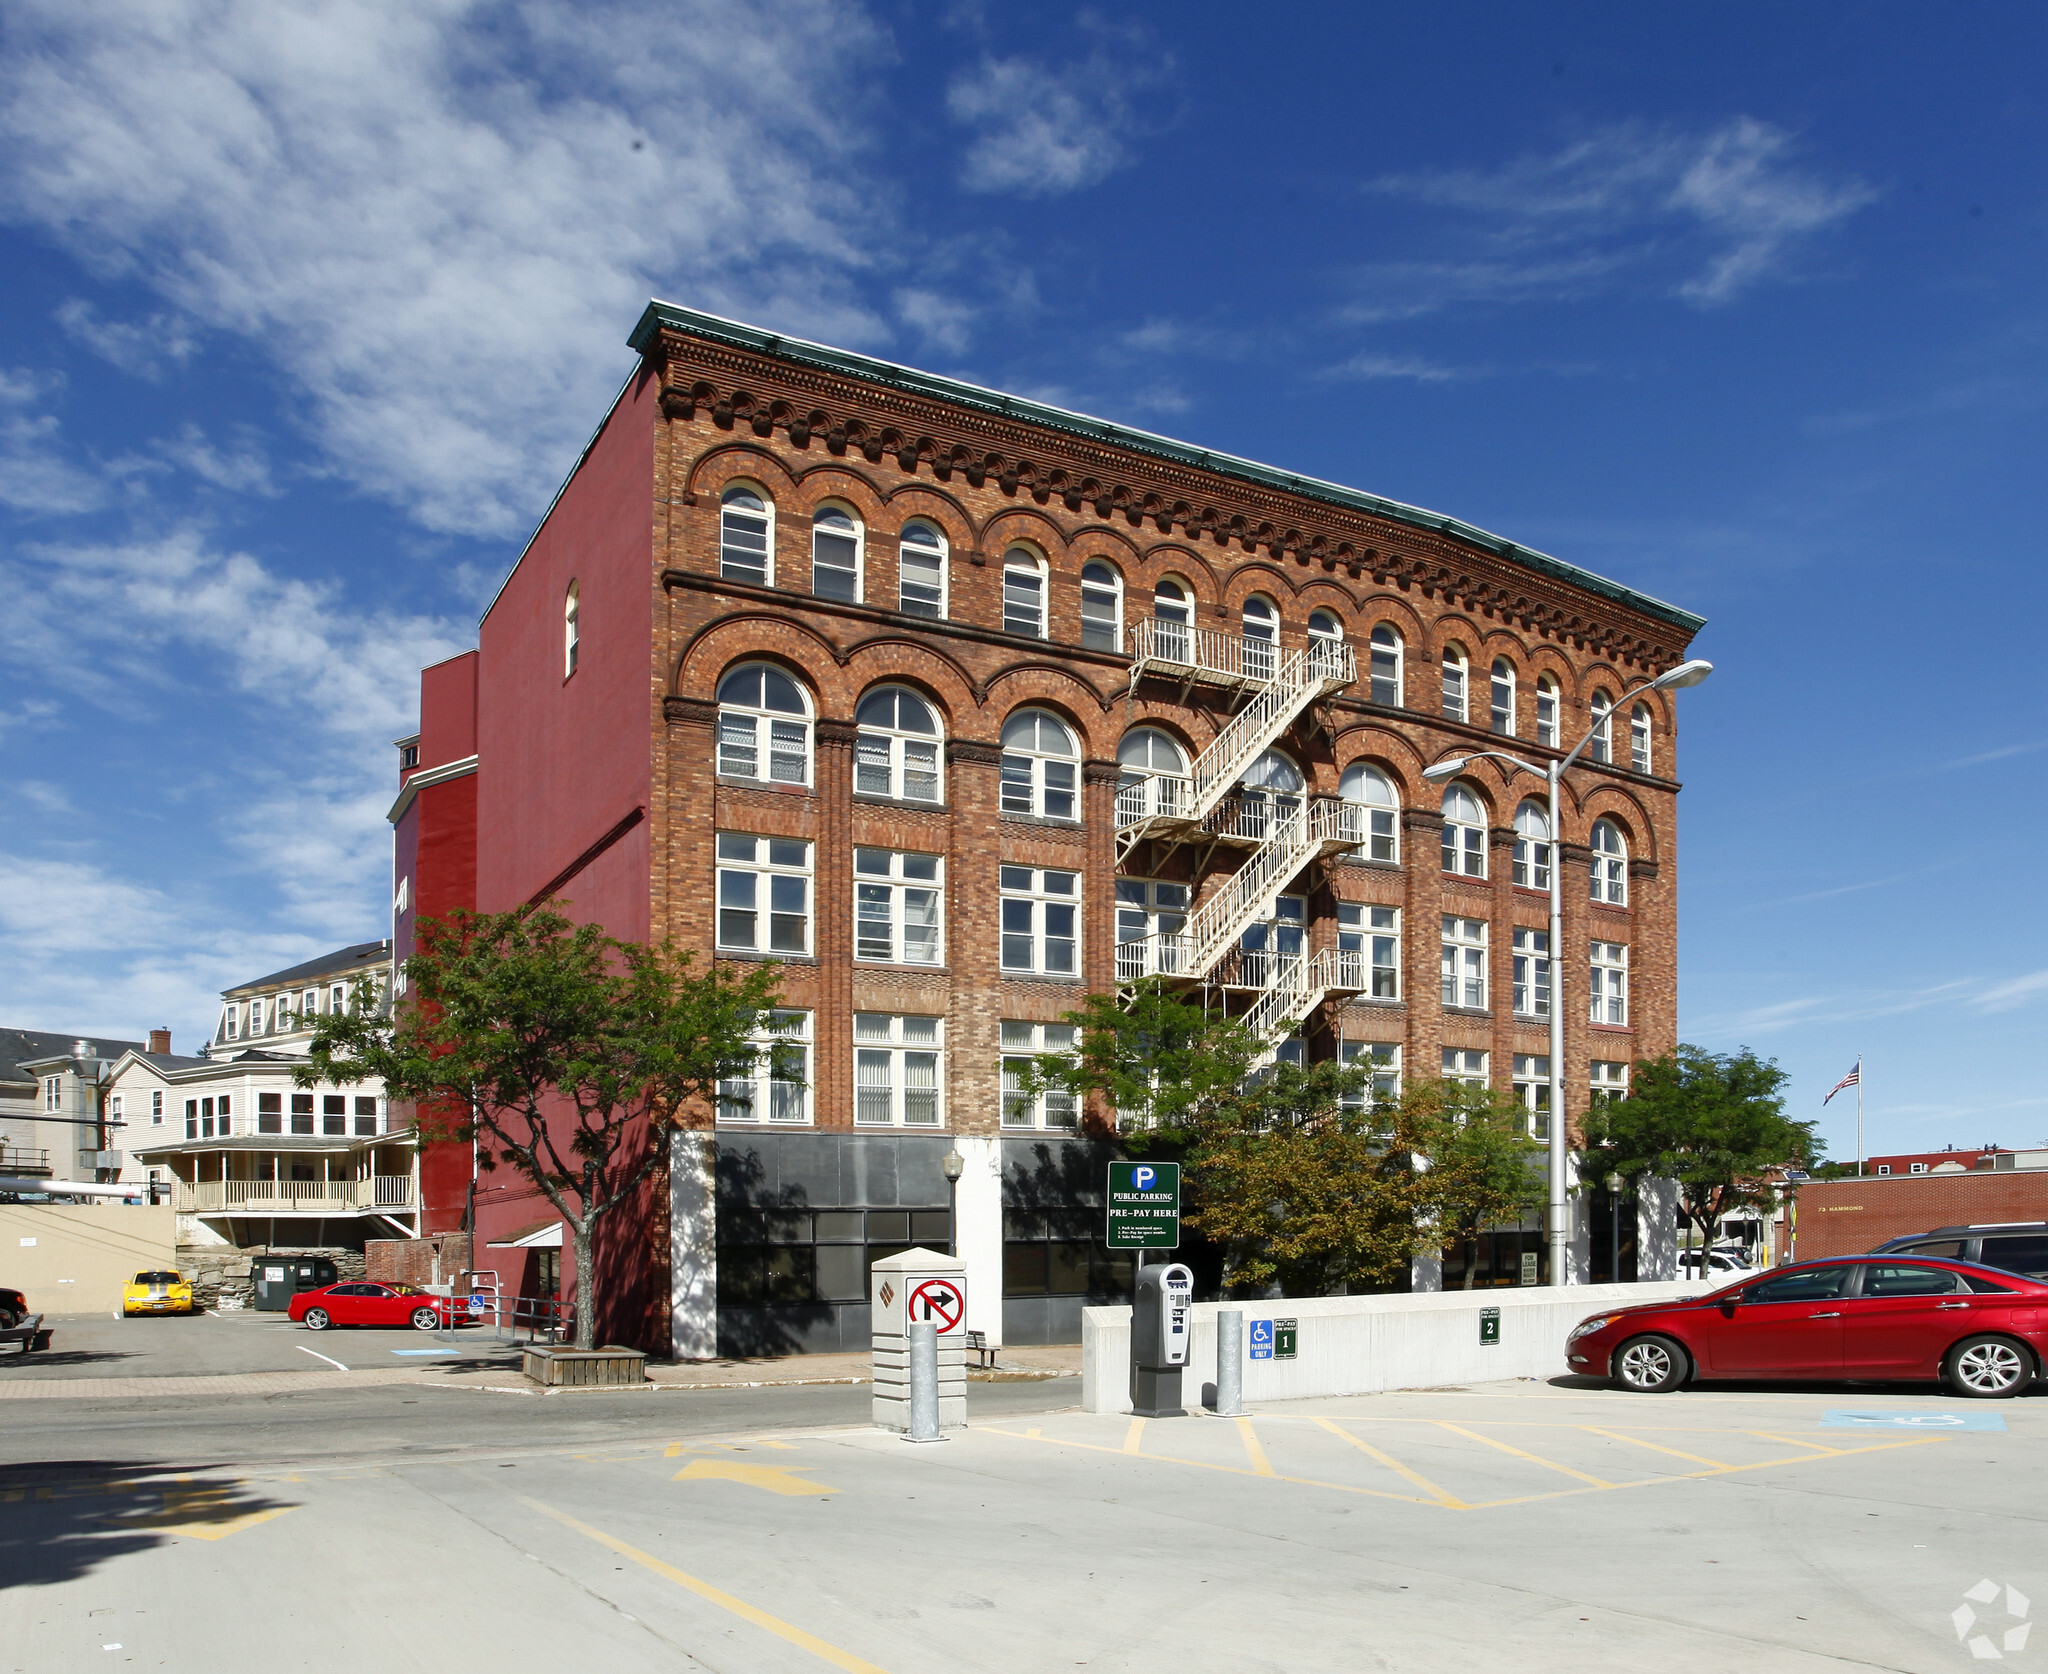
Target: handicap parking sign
<point x="1262" y="1339"/>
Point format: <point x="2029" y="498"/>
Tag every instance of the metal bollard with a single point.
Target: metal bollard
<point x="1230" y="1363"/>
<point x="923" y="1337"/>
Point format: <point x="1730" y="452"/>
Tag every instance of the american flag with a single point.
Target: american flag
<point x="1852" y="1079"/>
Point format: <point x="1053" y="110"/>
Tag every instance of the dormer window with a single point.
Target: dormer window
<point x="408" y="755"/>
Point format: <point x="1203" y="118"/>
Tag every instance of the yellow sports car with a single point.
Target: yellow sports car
<point x="157" y="1293"/>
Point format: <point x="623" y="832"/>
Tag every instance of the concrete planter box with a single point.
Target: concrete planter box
<point x="604" y="1368"/>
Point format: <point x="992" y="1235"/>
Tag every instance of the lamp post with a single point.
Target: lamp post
<point x="952" y="1165"/>
<point x="1689" y="673"/>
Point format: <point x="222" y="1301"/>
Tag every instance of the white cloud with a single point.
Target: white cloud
<point x="1042" y="127"/>
<point x="147" y="349"/>
<point x="1396" y="366"/>
<point x="241" y="468"/>
<point x="2016" y="991"/>
<point x="1707" y="216"/>
<point x="941" y="320"/>
<point x="35" y="476"/>
<point x="439" y="218"/>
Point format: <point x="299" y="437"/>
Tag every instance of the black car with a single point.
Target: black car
<point x="2016" y="1246"/>
<point x="13" y="1308"/>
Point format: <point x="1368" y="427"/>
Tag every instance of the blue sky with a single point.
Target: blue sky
<point x="307" y="309"/>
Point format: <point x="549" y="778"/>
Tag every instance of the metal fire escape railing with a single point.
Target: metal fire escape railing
<point x="1283" y="833"/>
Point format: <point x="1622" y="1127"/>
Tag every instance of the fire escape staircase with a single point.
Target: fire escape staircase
<point x="1283" y="833"/>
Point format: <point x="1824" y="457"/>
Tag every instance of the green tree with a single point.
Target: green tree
<point x="1714" y="1123"/>
<point x="567" y="1055"/>
<point x="1299" y="1175"/>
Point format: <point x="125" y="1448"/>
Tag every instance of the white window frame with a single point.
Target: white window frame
<point x="571" y="629"/>
<point x="1533" y="854"/>
<point x="231" y="1022"/>
<point x="1465" y="950"/>
<point x="1383" y="815"/>
<point x="1608" y="871"/>
<point x="786" y="1103"/>
<point x="769" y="869"/>
<point x="1464" y="841"/>
<point x="1383" y="1059"/>
<point x="1259" y="626"/>
<point x="1038" y="781"/>
<point x="1468" y="1067"/>
<point x="1501" y="685"/>
<point x="1607" y="987"/>
<point x="1532" y="1091"/>
<point x="1269" y="943"/>
<point x="1601" y="747"/>
<point x="824" y="527"/>
<point x="741" y="729"/>
<point x="1145" y="787"/>
<point x="918" y="605"/>
<point x="1173" y="616"/>
<point x="156" y="1109"/>
<point x="1033" y="910"/>
<point x="1019" y="616"/>
<point x="1641" y="730"/>
<point x="1546" y="710"/>
<point x="1457" y="684"/>
<point x="1325" y="641"/>
<point x="337" y="999"/>
<point x="1609" y="1079"/>
<point x="1387" y="676"/>
<point x="1369" y="948"/>
<point x="114" y="1108"/>
<point x="899" y="907"/>
<point x="1055" y="1108"/>
<point x="1148" y="909"/>
<point x="1533" y="972"/>
<point x="892" y="760"/>
<point x="309" y="1008"/>
<point x="1102" y="590"/>
<point x="888" y="1050"/>
<point x="732" y="559"/>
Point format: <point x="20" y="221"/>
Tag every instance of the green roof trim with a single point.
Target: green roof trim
<point x="691" y="323"/>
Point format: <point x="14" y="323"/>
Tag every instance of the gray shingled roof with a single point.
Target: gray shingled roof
<point x="25" y="1046"/>
<point x="342" y="961"/>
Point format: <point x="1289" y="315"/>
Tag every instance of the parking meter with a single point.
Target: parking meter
<point x="1161" y="1326"/>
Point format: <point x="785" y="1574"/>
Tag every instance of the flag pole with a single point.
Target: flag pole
<point x="1859" y="1115"/>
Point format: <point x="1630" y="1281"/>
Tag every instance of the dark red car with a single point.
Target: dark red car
<point x="1979" y="1330"/>
<point x="365" y="1302"/>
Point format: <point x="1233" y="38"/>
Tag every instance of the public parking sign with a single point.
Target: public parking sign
<point x="1144" y="1206"/>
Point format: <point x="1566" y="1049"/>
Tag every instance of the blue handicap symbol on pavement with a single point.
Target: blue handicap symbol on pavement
<point x="1262" y="1339"/>
<point x="1906" y="1418"/>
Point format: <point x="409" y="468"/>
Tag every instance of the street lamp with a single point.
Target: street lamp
<point x="952" y="1165"/>
<point x="1689" y="673"/>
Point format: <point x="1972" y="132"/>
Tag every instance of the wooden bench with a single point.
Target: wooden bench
<point x="25" y="1333"/>
<point x="977" y="1344"/>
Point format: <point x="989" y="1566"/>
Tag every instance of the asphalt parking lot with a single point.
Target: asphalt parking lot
<point x="1543" y="1526"/>
<point x="212" y="1345"/>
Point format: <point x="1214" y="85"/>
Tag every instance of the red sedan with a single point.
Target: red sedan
<point x="1981" y="1331"/>
<point x="364" y="1302"/>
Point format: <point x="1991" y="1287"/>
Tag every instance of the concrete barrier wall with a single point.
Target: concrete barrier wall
<point x="1358" y="1345"/>
<point x="77" y="1260"/>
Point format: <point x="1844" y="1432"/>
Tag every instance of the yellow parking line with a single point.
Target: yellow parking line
<point x="1395" y="1465"/>
<point x="1519" y="1453"/>
<point x="1261" y="1466"/>
<point x="1799" y="1441"/>
<point x="712" y="1595"/>
<point x="1656" y="1447"/>
<point x="1205" y="1465"/>
<point x="1134" y="1436"/>
<point x="1694" y="1476"/>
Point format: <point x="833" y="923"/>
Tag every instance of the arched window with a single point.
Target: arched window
<point x="1546" y="711"/>
<point x="896" y="751"/>
<point x="1503" y="710"/>
<point x="764" y="727"/>
<point x="1457" y="702"/>
<point x="1261" y="637"/>
<point x="1610" y="864"/>
<point x="1532" y="846"/>
<point x="746" y="526"/>
<point x="1273" y="789"/>
<point x="1325" y="643"/>
<point x="1023" y="593"/>
<point x="1464" y="833"/>
<point x="921" y="571"/>
<point x="571" y="630"/>
<point x="1602" y="747"/>
<point x="1639" y="738"/>
<point x="1386" y="666"/>
<point x="835" y="555"/>
<point x="1102" y="608"/>
<point x="1173" y="608"/>
<point x="1367" y="786"/>
<point x="1154" y="778"/>
<point x="1041" y="766"/>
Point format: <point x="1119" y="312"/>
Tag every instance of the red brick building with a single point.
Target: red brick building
<point x="963" y="707"/>
<point x="1847" y="1217"/>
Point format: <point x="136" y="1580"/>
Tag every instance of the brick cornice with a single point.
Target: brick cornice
<point x="965" y="752"/>
<point x="744" y="390"/>
<point x="689" y="711"/>
<point x="1101" y="772"/>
